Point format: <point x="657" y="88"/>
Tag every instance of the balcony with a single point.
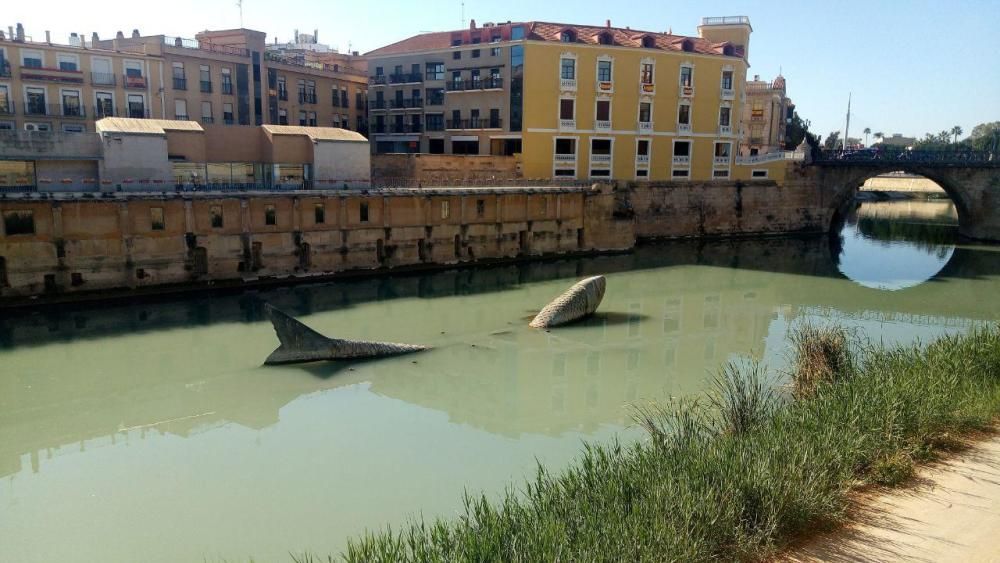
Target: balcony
<point x="307" y="97"/>
<point x="206" y="86"/>
<point x="601" y="160"/>
<point x="7" y="108"/>
<point x="435" y="100"/>
<point x="400" y="129"/>
<point x="227" y="88"/>
<point x="645" y="126"/>
<point x="683" y="128"/>
<point x="228" y="120"/>
<point x="44" y="74"/>
<point x="686" y="91"/>
<point x="377" y="80"/>
<point x="757" y="115"/>
<point x="567" y="124"/>
<point x="725" y="130"/>
<point x="4" y="69"/>
<point x="412" y="103"/>
<point x="602" y="125"/>
<point x="102" y="79"/>
<point x="721" y="161"/>
<point x="491" y="83"/>
<point x="684" y="160"/>
<point x="567" y="84"/>
<point x="137" y="82"/>
<point x="378" y="105"/>
<point x="207" y="120"/>
<point x="642" y="160"/>
<point x="180" y="83"/>
<point x="605" y="87"/>
<point x="727" y="93"/>
<point x="55" y="110"/>
<point x="565" y="158"/>
<point x="474" y="123"/>
<point x="181" y="117"/>
<point x="406" y="78"/>
<point x="647" y="88"/>
<point x="283" y="94"/>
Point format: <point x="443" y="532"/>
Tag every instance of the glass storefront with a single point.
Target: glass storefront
<point x="17" y="174"/>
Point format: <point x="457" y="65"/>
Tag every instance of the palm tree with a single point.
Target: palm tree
<point x="867" y="131"/>
<point x="879" y="136"/>
<point x="956" y="131"/>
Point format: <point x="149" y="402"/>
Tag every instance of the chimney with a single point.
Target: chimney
<point x="472" y="24"/>
<point x="295" y="38"/>
<point x="48" y="37"/>
<point x="756" y="78"/>
<point x="608" y="23"/>
<point x="20" y="32"/>
<point x="10" y="32"/>
<point x="135" y="34"/>
<point x="119" y="35"/>
<point x="94" y="39"/>
<point x="316" y="35"/>
<point x="1" y="35"/>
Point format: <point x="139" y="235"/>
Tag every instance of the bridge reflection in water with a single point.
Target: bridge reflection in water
<point x="145" y="402"/>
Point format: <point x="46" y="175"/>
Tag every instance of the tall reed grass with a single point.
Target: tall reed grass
<point x="736" y="475"/>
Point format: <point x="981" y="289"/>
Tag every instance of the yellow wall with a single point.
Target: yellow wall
<point x="541" y="105"/>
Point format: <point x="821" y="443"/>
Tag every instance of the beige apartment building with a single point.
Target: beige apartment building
<point x="766" y="114"/>
<point x="220" y="77"/>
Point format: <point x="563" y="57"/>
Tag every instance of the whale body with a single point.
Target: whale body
<point x="577" y="302"/>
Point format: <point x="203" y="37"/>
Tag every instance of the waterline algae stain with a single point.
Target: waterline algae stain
<point x="300" y="344"/>
<point x="577" y="302"/>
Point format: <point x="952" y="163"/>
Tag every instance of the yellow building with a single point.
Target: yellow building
<point x="576" y="102"/>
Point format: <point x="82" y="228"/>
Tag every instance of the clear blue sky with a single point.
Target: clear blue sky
<point x="913" y="65"/>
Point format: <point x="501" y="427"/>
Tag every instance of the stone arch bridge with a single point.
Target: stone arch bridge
<point x="971" y="179"/>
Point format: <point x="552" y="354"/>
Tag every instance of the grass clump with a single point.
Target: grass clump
<point x="733" y="476"/>
<point x="821" y="355"/>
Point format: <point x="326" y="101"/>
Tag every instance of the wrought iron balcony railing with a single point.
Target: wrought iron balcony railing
<point x="490" y="83"/>
<point x="55" y="110"/>
<point x="180" y="83"/>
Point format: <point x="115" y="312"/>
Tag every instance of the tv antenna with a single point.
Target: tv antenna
<point x="463" y="14"/>
<point x="239" y="4"/>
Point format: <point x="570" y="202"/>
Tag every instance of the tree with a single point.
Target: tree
<point x="832" y="140"/>
<point x="867" y="131"/>
<point x="956" y="131"/>
<point x="985" y="136"/>
<point x="796" y="131"/>
<point x="879" y="136"/>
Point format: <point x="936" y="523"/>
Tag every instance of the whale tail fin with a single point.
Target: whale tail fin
<point x="298" y="342"/>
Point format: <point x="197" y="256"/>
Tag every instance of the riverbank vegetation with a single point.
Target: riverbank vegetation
<point x="736" y="475"/>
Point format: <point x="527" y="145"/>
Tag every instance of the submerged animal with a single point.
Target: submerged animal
<point x="577" y="302"/>
<point x="300" y="343"/>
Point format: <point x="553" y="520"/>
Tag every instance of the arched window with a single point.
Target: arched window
<point x="605" y="39"/>
<point x="567" y="36"/>
<point x="687" y="46"/>
<point x="728" y="50"/>
<point x="648" y="41"/>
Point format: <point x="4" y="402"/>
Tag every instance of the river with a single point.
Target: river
<point x="150" y="431"/>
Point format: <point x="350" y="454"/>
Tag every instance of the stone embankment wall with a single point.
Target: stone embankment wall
<point x="81" y="244"/>
<point x="903" y="183"/>
<point x="430" y="168"/>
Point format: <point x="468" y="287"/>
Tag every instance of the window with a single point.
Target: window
<point x="604" y="110"/>
<point x="319" y="214"/>
<point x="480" y="208"/>
<point x="686" y="75"/>
<point x="516" y="33"/>
<point x="680" y="173"/>
<point x="568" y="69"/>
<point x="566" y="146"/>
<point x="758" y="174"/>
<point x="645" y="112"/>
<point x="727" y="80"/>
<point x="567" y="36"/>
<point x="302" y="118"/>
<point x="105" y="104"/>
<point x="71" y="103"/>
<point x="282" y="116"/>
<point x="646" y="73"/>
<point x="456" y="55"/>
<point x="648" y="42"/>
<point x="476" y="81"/>
<point x="435" y="122"/>
<point x="474" y="118"/>
<point x="456" y="79"/>
<point x="600" y="146"/>
<point x="215" y="216"/>
<point x="475" y="53"/>
<point x="282" y="89"/>
<point x="605" y="39"/>
<point x="682" y="148"/>
<point x="36" y="101"/>
<point x="445" y="209"/>
<point x="456" y="42"/>
<point x="312" y="119"/>
<point x="31" y="59"/>
<point x="180" y="110"/>
<point x="227" y="81"/>
<point x="270" y="215"/>
<point x="344" y="102"/>
<point x="72" y="128"/>
<point x="567" y="108"/>
<point x="21" y="222"/>
<point x="335" y="99"/>
<point x="720" y="173"/>
<point x="205" y="78"/>
<point x="363" y="212"/>
<point x="156" y="219"/>
<point x="435" y="71"/>
<point x="136" y="105"/>
<point x="68" y="62"/>
<point x="684" y="114"/>
<point x="642" y="147"/>
<point x="495" y="51"/>
<point x="722" y="150"/>
<point x="206" y="112"/>
<point x="180" y="81"/>
<point x="724" y="116"/>
<point x="227" y="114"/>
<point x="604" y="71"/>
<point x="494" y="118"/>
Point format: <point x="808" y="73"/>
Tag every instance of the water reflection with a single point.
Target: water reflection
<point x="161" y="411"/>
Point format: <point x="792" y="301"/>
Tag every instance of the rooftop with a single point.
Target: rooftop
<point x="315" y="133"/>
<point x="552" y="31"/>
<point x="145" y="126"/>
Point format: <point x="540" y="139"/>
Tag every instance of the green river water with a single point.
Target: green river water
<point x="151" y="432"/>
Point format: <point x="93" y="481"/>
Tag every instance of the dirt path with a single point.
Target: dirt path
<point x="952" y="514"/>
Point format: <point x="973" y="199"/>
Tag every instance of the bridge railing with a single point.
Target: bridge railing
<point x="902" y="155"/>
<point x="770" y="157"/>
